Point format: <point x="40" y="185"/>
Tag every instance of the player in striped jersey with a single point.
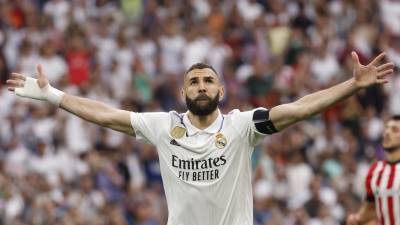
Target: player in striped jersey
<point x="382" y="202"/>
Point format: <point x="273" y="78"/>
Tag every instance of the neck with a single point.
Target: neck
<point x="202" y="122"/>
<point x="393" y="156"/>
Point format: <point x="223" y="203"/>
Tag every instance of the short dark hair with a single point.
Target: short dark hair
<point x="201" y="65"/>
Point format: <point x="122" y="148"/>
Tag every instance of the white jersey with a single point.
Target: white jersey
<point x="206" y="173"/>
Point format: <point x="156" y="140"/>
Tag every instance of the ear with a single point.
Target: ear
<point x="221" y="92"/>
<point x="183" y="94"/>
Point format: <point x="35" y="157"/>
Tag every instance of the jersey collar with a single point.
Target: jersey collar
<point x="212" y="129"/>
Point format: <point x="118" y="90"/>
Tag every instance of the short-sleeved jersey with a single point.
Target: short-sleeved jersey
<point x="206" y="173"/>
<point x="383" y="188"/>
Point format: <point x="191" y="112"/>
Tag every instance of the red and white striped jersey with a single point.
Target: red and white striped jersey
<point x="383" y="188"/>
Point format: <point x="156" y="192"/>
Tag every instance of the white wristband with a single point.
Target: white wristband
<point x="53" y="95"/>
<point x="32" y="90"/>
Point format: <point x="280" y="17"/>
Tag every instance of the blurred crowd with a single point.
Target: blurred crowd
<point x="58" y="169"/>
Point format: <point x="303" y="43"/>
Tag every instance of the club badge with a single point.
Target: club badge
<point x="177" y="132"/>
<point x="220" y="140"/>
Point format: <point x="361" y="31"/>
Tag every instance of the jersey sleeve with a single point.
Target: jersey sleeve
<point x="148" y="126"/>
<point x="369" y="195"/>
<point x="244" y="124"/>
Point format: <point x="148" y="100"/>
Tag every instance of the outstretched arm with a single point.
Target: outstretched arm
<point x="98" y="113"/>
<point x="364" y="215"/>
<point x="285" y="115"/>
<point x="90" y="110"/>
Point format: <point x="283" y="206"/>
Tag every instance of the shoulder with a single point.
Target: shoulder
<point x="153" y="124"/>
<point x="153" y="115"/>
<point x="377" y="165"/>
<point x="237" y="114"/>
<point x="243" y="119"/>
<point x="157" y="119"/>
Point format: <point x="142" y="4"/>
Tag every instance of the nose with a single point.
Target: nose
<point x="202" y="87"/>
<point x="386" y="133"/>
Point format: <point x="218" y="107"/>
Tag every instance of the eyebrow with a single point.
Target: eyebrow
<point x="205" y="78"/>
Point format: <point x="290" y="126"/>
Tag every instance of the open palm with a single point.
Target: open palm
<point x="18" y="80"/>
<point x="373" y="73"/>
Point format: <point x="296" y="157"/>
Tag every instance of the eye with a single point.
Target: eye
<point x="193" y="82"/>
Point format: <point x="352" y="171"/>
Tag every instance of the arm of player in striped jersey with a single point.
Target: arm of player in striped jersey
<point x="87" y="109"/>
<point x="285" y="115"/>
<point x="365" y="215"/>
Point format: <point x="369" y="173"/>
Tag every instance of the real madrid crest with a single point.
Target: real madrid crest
<point x="177" y="132"/>
<point x="220" y="140"/>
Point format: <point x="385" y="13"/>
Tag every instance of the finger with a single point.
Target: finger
<point x="377" y="59"/>
<point x="39" y="69"/>
<point x="354" y="56"/>
<point x="382" y="81"/>
<point x="357" y="219"/>
<point x="11" y="89"/>
<point x="385" y="73"/>
<point x="350" y="220"/>
<point x="18" y="76"/>
<point x="15" y="83"/>
<point x="385" y="66"/>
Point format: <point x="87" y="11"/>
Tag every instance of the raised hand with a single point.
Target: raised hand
<point x="18" y="80"/>
<point x="373" y="73"/>
<point x="39" y="88"/>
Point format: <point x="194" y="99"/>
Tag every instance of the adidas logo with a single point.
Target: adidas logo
<point x="174" y="142"/>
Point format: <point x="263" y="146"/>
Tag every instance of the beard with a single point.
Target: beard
<point x="202" y="109"/>
<point x="390" y="149"/>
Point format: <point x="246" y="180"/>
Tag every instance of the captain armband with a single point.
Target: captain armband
<point x="262" y="122"/>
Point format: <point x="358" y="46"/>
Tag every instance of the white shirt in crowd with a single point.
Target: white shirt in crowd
<point x="171" y="53"/>
<point x="55" y="66"/>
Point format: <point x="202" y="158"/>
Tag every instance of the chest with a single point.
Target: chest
<point x="200" y="145"/>
<point x="203" y="157"/>
<point x="386" y="181"/>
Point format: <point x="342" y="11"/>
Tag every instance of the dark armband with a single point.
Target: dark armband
<point x="262" y="122"/>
